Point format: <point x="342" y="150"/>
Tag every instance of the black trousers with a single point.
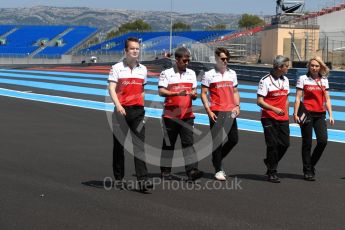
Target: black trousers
<point x="277" y="138"/>
<point x="318" y="122"/>
<point x="133" y="123"/>
<point x="223" y="145"/>
<point x="171" y="129"/>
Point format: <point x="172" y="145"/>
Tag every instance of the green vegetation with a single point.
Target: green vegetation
<point x="180" y="26"/>
<point x="248" y="21"/>
<point x="137" y="25"/>
<point x="216" y="27"/>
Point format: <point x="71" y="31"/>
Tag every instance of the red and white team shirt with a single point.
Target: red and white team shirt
<point x="130" y="83"/>
<point x="221" y="88"/>
<point x="314" y="92"/>
<point x="178" y="106"/>
<point x="275" y="93"/>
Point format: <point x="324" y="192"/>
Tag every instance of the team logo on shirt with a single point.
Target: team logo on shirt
<point x="223" y="85"/>
<point x="133" y="82"/>
<point x="279" y="93"/>
<point x="313" y="88"/>
<point x="180" y="87"/>
<point x="261" y="85"/>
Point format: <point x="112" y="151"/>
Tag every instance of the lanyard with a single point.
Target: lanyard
<point x="278" y="87"/>
<point x="319" y="84"/>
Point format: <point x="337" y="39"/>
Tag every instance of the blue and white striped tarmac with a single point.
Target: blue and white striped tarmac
<point x="32" y="79"/>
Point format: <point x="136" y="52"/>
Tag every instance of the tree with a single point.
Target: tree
<point x="180" y="26"/>
<point x="138" y="25"/>
<point x="249" y="21"/>
<point x="110" y="35"/>
<point x="216" y="27"/>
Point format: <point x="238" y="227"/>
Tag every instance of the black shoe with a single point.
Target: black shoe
<point x="266" y="163"/>
<point x="309" y="177"/>
<point x="118" y="178"/>
<point x="120" y="184"/>
<point x="145" y="185"/>
<point x="313" y="171"/>
<point x="273" y="178"/>
<point x="166" y="175"/>
<point x="194" y="174"/>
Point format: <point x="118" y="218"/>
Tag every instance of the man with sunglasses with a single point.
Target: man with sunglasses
<point x="272" y="97"/>
<point x="178" y="86"/>
<point x="221" y="85"/>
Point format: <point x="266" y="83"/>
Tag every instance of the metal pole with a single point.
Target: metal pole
<point x="292" y="45"/>
<point x="170" y="44"/>
<point x="332" y="51"/>
<point x="306" y="46"/>
<point x="327" y="48"/>
<point x="251" y="45"/>
<point x="141" y="49"/>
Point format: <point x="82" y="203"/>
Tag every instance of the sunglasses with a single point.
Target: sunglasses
<point x="185" y="60"/>
<point x="224" y="59"/>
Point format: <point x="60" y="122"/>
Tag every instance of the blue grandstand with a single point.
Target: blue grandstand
<point x="158" y="41"/>
<point x="39" y="40"/>
<point x="54" y="41"/>
<point x="77" y="36"/>
<point x="5" y="28"/>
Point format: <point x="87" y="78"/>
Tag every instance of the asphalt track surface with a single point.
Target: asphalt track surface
<point x="54" y="159"/>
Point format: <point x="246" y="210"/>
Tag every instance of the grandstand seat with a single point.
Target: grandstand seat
<point x="159" y="41"/>
<point x="70" y="40"/>
<point x="26" y="39"/>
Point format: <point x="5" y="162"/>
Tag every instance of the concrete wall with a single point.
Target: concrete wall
<point x="65" y="59"/>
<point x="276" y="40"/>
<point x="333" y="22"/>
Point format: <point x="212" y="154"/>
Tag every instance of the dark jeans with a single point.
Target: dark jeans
<point x="318" y="122"/>
<point x="133" y="122"/>
<point x="277" y="138"/>
<point x="221" y="146"/>
<point x="171" y="129"/>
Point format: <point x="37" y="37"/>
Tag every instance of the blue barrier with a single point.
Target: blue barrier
<point x="336" y="78"/>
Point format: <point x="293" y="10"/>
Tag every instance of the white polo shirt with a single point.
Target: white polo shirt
<point x="275" y="93"/>
<point x="130" y="83"/>
<point x="221" y="89"/>
<point x="314" y="92"/>
<point x="178" y="106"/>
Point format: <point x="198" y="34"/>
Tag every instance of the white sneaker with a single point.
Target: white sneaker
<point x="220" y="176"/>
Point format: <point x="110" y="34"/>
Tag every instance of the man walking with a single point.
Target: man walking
<point x="272" y="97"/>
<point x="178" y="86"/>
<point x="126" y="88"/>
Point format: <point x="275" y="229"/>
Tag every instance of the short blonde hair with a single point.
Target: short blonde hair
<point x="324" y="70"/>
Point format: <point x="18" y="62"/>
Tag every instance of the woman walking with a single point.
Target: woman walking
<point x="313" y="87"/>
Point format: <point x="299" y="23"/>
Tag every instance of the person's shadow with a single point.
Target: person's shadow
<point x="180" y="176"/>
<point x="291" y="176"/>
<point x="264" y="177"/>
<point x="111" y="185"/>
<point x="98" y="184"/>
<point x="255" y="177"/>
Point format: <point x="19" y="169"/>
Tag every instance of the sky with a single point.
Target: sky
<point x="265" y="7"/>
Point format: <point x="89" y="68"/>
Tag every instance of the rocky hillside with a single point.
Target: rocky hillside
<point x="108" y="18"/>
